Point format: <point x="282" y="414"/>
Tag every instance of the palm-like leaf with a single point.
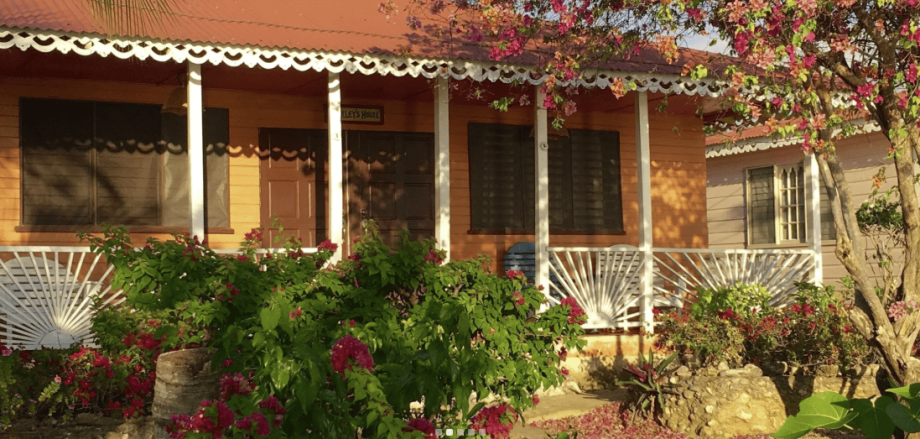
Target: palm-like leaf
<point x="132" y="17"/>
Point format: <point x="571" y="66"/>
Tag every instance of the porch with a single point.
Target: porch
<point x="315" y="186"/>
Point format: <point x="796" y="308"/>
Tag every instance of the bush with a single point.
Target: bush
<point x="116" y="378"/>
<point x="348" y="347"/>
<point x="728" y="326"/>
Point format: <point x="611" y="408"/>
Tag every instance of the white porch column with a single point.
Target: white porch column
<point x="334" y="218"/>
<point x="195" y="152"/>
<point x="541" y="232"/>
<point x="644" y="171"/>
<point x="442" y="170"/>
<point x="813" y="215"/>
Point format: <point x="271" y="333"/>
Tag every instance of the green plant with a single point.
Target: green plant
<point x="432" y="331"/>
<point x="712" y="339"/>
<point x="648" y="384"/>
<point x="742" y="300"/>
<point x="877" y="419"/>
<point x="813" y="330"/>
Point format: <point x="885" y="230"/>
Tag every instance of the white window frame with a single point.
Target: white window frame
<point x="778" y="211"/>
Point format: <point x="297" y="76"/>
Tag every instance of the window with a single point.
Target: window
<point x="776" y="206"/>
<point x="584" y="180"/>
<point x="89" y="163"/>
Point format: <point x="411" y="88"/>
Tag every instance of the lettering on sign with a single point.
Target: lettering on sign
<point x="361" y="114"/>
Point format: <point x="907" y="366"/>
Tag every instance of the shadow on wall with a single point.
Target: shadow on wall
<point x="604" y="359"/>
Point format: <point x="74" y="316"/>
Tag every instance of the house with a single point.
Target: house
<point x="226" y="114"/>
<point x="761" y="193"/>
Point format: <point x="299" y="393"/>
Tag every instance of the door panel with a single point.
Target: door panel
<point x="292" y="184"/>
<point x="391" y="181"/>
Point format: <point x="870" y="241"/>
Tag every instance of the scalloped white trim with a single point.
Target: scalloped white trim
<point x="764" y="143"/>
<point x="367" y="64"/>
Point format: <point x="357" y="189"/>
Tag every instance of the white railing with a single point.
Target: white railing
<point x="46" y="293"/>
<point x="682" y="270"/>
<point x="606" y="280"/>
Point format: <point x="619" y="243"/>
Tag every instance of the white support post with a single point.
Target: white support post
<point x="813" y="216"/>
<point x="541" y="145"/>
<point x="195" y="152"/>
<point x="334" y="219"/>
<point x="442" y="170"/>
<point x="644" y="171"/>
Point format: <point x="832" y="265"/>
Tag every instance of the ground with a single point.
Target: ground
<point x="551" y="407"/>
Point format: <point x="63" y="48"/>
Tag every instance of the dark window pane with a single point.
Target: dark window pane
<point x="596" y="199"/>
<point x="761" y="206"/>
<point x="88" y="163"/>
<point x="584" y="180"/>
<point x="127" y="164"/>
<point x="497" y="188"/>
<point x="57" y="181"/>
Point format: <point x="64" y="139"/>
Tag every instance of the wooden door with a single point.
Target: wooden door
<point x="292" y="182"/>
<point x="391" y="181"/>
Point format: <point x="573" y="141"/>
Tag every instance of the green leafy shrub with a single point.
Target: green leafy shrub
<point x="813" y="330"/>
<point x="878" y="419"/>
<point x="433" y="332"/>
<point x="116" y="377"/>
<point x="742" y="300"/>
<point x="24" y="378"/>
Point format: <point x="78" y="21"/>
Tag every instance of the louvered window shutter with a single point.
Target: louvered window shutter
<point x="595" y="176"/>
<point x="87" y="163"/>
<point x="497" y="183"/>
<point x="127" y="164"/>
<point x="57" y="162"/>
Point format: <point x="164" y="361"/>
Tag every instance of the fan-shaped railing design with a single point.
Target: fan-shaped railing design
<point x="46" y="295"/>
<point x="777" y="270"/>
<point x="606" y="281"/>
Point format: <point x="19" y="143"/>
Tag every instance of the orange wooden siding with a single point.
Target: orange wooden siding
<point x="677" y="148"/>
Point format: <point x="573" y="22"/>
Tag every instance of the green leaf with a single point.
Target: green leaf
<point x="909" y="392"/>
<point x="306" y="393"/>
<point x="826" y="409"/>
<point x="794" y="428"/>
<point x="281" y="374"/>
<point x="872" y="420"/>
<point x="270" y="318"/>
<point x="907" y="419"/>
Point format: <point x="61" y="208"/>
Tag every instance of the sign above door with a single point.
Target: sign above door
<point x="359" y="114"/>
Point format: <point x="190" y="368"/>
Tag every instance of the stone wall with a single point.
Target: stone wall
<point x="724" y="403"/>
<point x="599" y="366"/>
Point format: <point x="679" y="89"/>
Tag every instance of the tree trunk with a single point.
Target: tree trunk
<point x="184" y="379"/>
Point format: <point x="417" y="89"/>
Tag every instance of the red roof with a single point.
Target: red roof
<point x="350" y="26"/>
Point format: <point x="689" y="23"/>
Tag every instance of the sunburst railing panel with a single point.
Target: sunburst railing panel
<point x="46" y="295"/>
<point x="681" y="271"/>
<point x="606" y="281"/>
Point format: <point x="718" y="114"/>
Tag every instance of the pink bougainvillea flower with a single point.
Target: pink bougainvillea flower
<point x="348" y="351"/>
<point x="327" y="245"/>
<point x="422" y="425"/>
<point x="576" y="313"/>
<point x="234" y="384"/>
<point x="497" y="420"/>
